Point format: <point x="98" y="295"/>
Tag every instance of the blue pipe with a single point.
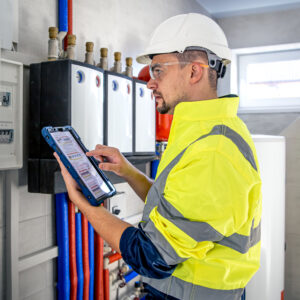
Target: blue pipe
<point x="63" y="285"/>
<point x="91" y="261"/>
<point x="154" y="166"/>
<point x="130" y="276"/>
<point x="63" y="15"/>
<point x="79" y="262"/>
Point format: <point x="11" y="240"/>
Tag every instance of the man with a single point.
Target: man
<point x="200" y="233"/>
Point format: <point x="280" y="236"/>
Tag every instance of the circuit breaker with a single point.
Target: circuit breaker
<point x="11" y="115"/>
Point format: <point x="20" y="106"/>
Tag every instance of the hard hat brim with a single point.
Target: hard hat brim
<point x="146" y="60"/>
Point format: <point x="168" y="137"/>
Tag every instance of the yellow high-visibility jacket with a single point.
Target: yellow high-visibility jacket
<point x="203" y="211"/>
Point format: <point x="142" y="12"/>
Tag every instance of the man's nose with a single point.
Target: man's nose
<point x="152" y="84"/>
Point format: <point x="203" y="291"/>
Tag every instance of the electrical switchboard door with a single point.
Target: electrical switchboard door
<point x="87" y="89"/>
<point x="144" y="119"/>
<point x="11" y="115"/>
<point x="119" y="113"/>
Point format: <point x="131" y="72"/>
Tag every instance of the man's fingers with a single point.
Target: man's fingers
<point x="100" y="158"/>
<point x="102" y="151"/>
<point x="70" y="182"/>
<point x="61" y="165"/>
<point x="57" y="158"/>
<point x="109" y="167"/>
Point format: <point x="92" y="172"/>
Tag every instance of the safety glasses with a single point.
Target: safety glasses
<point x="157" y="70"/>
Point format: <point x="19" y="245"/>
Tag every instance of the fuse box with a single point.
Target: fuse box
<point x="11" y="115"/>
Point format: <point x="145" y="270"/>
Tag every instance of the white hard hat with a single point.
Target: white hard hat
<point x="178" y="33"/>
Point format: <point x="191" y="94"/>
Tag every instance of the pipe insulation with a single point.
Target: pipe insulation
<point x="63" y="15"/>
<point x="92" y="260"/>
<point x="72" y="243"/>
<point x="79" y="256"/>
<point x="99" y="281"/>
<point x="70" y="22"/>
<point x="114" y="257"/>
<point x="63" y="284"/>
<point x="85" y="257"/>
<point x="106" y="284"/>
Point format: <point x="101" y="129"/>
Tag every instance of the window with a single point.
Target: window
<point x="269" y="81"/>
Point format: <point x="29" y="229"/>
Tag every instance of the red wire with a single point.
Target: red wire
<point x="99" y="287"/>
<point x="114" y="257"/>
<point x="85" y="257"/>
<point x="70" y="23"/>
<point x="72" y="251"/>
<point x="106" y="284"/>
<point x="70" y="16"/>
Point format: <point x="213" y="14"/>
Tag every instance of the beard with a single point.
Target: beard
<point x="164" y="108"/>
<point x="168" y="108"/>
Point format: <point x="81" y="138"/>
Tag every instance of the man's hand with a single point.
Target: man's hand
<point x="112" y="160"/>
<point x="73" y="189"/>
<point x="102" y="221"/>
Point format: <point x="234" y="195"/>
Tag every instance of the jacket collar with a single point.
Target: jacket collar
<point x="223" y="107"/>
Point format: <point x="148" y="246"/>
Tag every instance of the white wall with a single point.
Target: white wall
<point x="280" y="27"/>
<point x="119" y="25"/>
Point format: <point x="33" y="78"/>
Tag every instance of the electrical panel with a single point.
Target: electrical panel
<point x="144" y="119"/>
<point x="119" y="112"/>
<point x="63" y="92"/>
<point x="11" y="115"/>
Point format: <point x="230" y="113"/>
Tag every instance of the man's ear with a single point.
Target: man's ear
<point x="196" y="73"/>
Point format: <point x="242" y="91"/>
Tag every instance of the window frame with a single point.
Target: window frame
<point x="235" y="79"/>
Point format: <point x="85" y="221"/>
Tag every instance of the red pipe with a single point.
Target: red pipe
<point x="99" y="287"/>
<point x="70" y="23"/>
<point x="72" y="251"/>
<point x="106" y="284"/>
<point x="114" y="257"/>
<point x="85" y="257"/>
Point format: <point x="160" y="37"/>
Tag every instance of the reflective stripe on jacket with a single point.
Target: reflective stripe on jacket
<point x="203" y="211"/>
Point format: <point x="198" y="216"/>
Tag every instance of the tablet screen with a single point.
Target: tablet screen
<point x="84" y="168"/>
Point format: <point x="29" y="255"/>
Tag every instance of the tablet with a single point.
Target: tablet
<point x="67" y="144"/>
